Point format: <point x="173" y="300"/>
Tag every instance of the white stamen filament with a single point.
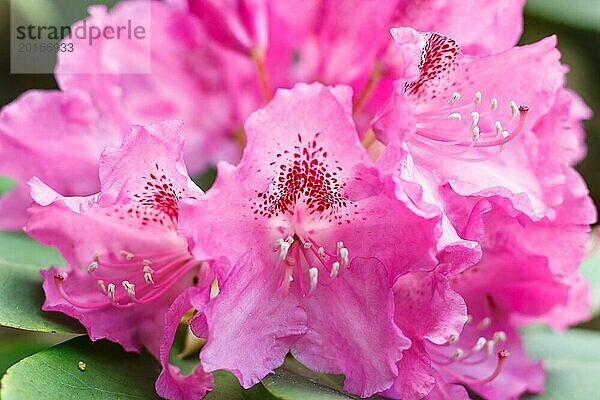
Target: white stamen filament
<point x="475" y="118"/>
<point x="500" y="336"/>
<point x="484" y="323"/>
<point x="455" y="115"/>
<point x="494" y="104"/>
<point x="148" y="275"/>
<point x="477" y="98"/>
<point x="455" y="97"/>
<point x="344" y="256"/>
<point x="321" y="252"/>
<point x="101" y="286"/>
<point x="92" y="267"/>
<point x="284" y="246"/>
<point x="129" y="288"/>
<point x="335" y="268"/>
<point x="491" y="345"/>
<point x="313" y="273"/>
<point x="458" y="354"/>
<point x="111" y="291"/>
<point x="480" y="344"/>
<point x="126" y="255"/>
<point x="514" y="109"/>
<point x="476" y="133"/>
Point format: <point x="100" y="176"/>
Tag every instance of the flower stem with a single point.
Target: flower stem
<point x="368" y="139"/>
<point x="258" y="56"/>
<point x="367" y="90"/>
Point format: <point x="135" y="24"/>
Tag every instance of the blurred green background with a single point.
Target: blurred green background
<point x="577" y="24"/>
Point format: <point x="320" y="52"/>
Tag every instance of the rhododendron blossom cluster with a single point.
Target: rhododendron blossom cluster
<point x="393" y="178"/>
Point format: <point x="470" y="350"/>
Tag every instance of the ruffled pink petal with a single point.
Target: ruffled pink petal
<point x="504" y="18"/>
<point x="351" y="329"/>
<point x="282" y="126"/>
<point x="415" y="375"/>
<point x="417" y="188"/>
<point x="445" y="391"/>
<point x="212" y="226"/>
<point x="575" y="310"/>
<point x="133" y="328"/>
<point x="251" y="323"/>
<point x="148" y="167"/>
<point x="427" y="307"/>
<point x="427" y="310"/>
<point x="171" y="384"/>
<point x="43" y="128"/>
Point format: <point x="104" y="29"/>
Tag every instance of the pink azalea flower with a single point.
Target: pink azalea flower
<point x="126" y="262"/>
<point x="502" y="174"/>
<point x="317" y="239"/>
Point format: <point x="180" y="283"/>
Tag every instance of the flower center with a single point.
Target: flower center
<point x="446" y="122"/>
<point x="127" y="278"/>
<point x="307" y="181"/>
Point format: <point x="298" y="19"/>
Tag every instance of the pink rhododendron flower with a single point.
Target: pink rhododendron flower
<point x="68" y="129"/>
<point x="502" y="173"/>
<point x="303" y="203"/>
<point x="126" y="260"/>
<point x="398" y="227"/>
<point x="288" y="42"/>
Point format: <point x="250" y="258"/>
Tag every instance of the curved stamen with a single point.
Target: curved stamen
<point x="502" y="357"/>
<point x="523" y="110"/>
<point x="59" y="279"/>
<point x="125" y="300"/>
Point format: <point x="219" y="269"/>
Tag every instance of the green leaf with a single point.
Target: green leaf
<point x="6" y="184"/>
<point x="571" y="360"/>
<point x="591" y="271"/>
<point x="21" y="298"/>
<point x="294" y="381"/>
<point x="227" y="387"/>
<point x="110" y="373"/>
<point x="583" y="14"/>
<point x="15" y="349"/>
<point x="206" y="180"/>
<point x="18" y="248"/>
